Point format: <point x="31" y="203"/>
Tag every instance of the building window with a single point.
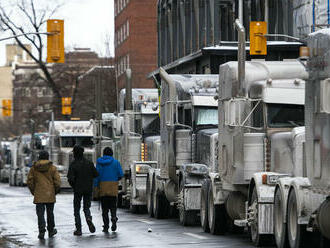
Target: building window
<point x="47" y="108"/>
<point x="127" y="28"/>
<point x="44" y="91"/>
<point x="28" y="92"/>
<point x="115" y="8"/>
<point x="39" y="92"/>
<point x="40" y="108"/>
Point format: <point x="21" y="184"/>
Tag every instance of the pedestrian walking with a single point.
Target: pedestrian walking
<point x="80" y="176"/>
<point x="44" y="183"/>
<point x="110" y="172"/>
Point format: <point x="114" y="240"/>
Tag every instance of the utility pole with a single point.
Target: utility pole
<point x="98" y="102"/>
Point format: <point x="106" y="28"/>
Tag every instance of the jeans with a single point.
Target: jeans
<point x="40" y="209"/>
<point x="86" y="205"/>
<point x="109" y="203"/>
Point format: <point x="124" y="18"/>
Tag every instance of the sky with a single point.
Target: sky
<point x="87" y="24"/>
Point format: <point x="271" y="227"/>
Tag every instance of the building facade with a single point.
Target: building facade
<point x="197" y="36"/>
<point x="135" y="41"/>
<point x="14" y="53"/>
<point x="34" y="101"/>
<point x="187" y="26"/>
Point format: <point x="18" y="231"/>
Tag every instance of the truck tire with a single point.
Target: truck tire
<point x="149" y="192"/>
<point x="204" y="205"/>
<point x="280" y="228"/>
<point x="257" y="238"/>
<point x="297" y="234"/>
<point x="120" y="200"/>
<point x="157" y="200"/>
<point x="216" y="215"/>
<point x="134" y="208"/>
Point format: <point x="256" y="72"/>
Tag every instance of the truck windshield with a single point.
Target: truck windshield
<point x="285" y="115"/>
<point x="206" y="116"/>
<point x="82" y="141"/>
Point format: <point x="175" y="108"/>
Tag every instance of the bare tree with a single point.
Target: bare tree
<point x="27" y="19"/>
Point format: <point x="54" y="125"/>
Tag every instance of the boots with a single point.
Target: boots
<point x="105" y="229"/>
<point x="77" y="232"/>
<point x="90" y="225"/>
<point x="114" y="224"/>
<point x="41" y="235"/>
<point x="52" y="233"/>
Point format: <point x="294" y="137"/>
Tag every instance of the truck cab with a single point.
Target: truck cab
<point x="64" y="135"/>
<point x="255" y="115"/>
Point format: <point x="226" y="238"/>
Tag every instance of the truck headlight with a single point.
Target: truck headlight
<point x="142" y="169"/>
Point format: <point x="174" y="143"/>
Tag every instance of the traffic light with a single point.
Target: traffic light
<point x="6" y="107"/>
<point x="66" y="105"/>
<point x="258" y="42"/>
<point x="55" y="41"/>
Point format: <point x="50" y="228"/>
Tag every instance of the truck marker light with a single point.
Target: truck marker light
<point x="264" y="179"/>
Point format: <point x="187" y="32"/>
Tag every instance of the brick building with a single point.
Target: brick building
<point x="135" y="41"/>
<point x="33" y="99"/>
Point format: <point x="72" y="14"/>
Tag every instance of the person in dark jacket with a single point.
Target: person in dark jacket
<point x="80" y="176"/>
<point x="44" y="182"/>
<point x="110" y="172"/>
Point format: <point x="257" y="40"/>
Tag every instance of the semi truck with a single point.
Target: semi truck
<point x="20" y="165"/>
<point x="126" y="132"/>
<point x="301" y="200"/>
<point x="140" y="123"/>
<point x="5" y="162"/>
<point x="259" y="103"/>
<point x="188" y="109"/>
<point x="63" y="136"/>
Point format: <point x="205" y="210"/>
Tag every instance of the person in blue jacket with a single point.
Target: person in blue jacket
<point x="110" y="172"/>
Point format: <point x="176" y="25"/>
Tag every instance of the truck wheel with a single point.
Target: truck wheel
<point x="296" y="233"/>
<point x="216" y="215"/>
<point x="134" y="209"/>
<point x="257" y="238"/>
<point x="157" y="205"/>
<point x="149" y="192"/>
<point x="120" y="200"/>
<point x="280" y="228"/>
<point x="204" y="205"/>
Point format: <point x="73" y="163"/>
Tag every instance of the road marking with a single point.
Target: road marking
<point x="195" y="235"/>
<point x="146" y="221"/>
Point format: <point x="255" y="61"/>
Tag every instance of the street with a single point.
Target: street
<point x="18" y="227"/>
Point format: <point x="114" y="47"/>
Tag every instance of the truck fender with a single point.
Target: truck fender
<point x="219" y="195"/>
<point x="265" y="192"/>
<point x="300" y="186"/>
<point x="283" y="185"/>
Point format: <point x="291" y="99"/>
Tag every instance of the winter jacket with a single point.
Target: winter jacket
<point x="110" y="172"/>
<point x="44" y="181"/>
<point x="81" y="174"/>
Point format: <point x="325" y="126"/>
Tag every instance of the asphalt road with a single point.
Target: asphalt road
<point x="18" y="227"/>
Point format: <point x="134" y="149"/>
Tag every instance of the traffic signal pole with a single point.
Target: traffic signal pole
<point x="18" y="35"/>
